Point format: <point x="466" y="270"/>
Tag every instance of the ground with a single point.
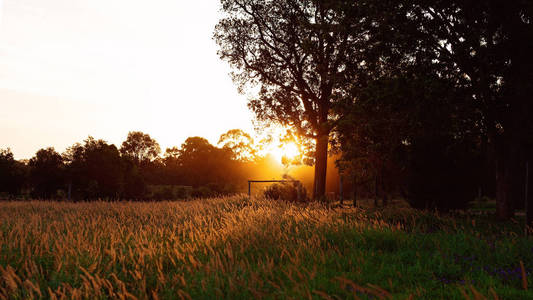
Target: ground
<point x="240" y="248"/>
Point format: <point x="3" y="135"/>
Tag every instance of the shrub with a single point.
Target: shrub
<point x="202" y="192"/>
<point x="164" y="193"/>
<point x="183" y="192"/>
<point x="287" y="191"/>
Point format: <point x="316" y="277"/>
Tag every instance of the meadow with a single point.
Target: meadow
<point x="240" y="248"/>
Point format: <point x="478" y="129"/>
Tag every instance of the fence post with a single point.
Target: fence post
<point x="249" y="189"/>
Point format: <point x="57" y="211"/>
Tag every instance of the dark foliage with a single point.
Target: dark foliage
<point x="287" y="191"/>
<point x="47" y="173"/>
<point x="442" y="174"/>
<point x="13" y="174"/>
<point x="96" y="170"/>
<point x="445" y="85"/>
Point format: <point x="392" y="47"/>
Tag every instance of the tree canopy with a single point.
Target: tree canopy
<point x="13" y="174"/>
<point x="240" y="143"/>
<point x="47" y="173"/>
<point x="140" y="147"/>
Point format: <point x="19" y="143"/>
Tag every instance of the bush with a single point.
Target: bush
<point x="202" y="192"/>
<point x="164" y="193"/>
<point x="183" y="192"/>
<point x="287" y="191"/>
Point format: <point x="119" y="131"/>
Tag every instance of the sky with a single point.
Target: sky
<point x="74" y="68"/>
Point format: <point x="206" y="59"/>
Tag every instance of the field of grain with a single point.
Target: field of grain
<point x="236" y="248"/>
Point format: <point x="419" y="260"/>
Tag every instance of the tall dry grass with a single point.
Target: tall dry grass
<point x="215" y="248"/>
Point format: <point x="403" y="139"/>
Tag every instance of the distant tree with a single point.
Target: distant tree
<point x="13" y="173"/>
<point x="173" y="173"/>
<point x="153" y="171"/>
<point x="134" y="183"/>
<point x="195" y="148"/>
<point x="300" y="54"/>
<point x="96" y="169"/>
<point x="195" y="157"/>
<point x="140" y="147"/>
<point x="203" y="163"/>
<point x="240" y="143"/>
<point x="171" y="154"/>
<point x="47" y="173"/>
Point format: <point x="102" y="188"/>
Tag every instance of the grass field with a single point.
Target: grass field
<point x="236" y="248"/>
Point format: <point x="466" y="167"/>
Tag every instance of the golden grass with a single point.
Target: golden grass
<point x="213" y="248"/>
<point x="102" y="249"/>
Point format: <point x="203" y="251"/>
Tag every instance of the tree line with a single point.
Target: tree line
<point x="427" y="98"/>
<point x="95" y="169"/>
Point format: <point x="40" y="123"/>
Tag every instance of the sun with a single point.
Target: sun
<point x="289" y="151"/>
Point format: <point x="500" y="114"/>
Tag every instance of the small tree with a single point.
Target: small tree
<point x="140" y="146"/>
<point x="47" y="173"/>
<point x="96" y="169"/>
<point x="12" y="173"/>
<point x="240" y="143"/>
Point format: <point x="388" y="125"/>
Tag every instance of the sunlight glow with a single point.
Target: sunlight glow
<point x="288" y="151"/>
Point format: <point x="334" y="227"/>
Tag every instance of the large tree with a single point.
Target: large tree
<point x="299" y="55"/>
<point x="483" y="48"/>
<point x="482" y="51"/>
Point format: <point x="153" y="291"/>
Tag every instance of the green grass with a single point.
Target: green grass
<point x="236" y="248"/>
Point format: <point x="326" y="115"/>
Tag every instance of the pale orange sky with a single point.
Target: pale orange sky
<point x="73" y="68"/>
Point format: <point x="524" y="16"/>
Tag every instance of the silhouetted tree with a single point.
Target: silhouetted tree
<point x="205" y="164"/>
<point x="134" y="184"/>
<point x="480" y="51"/>
<point x="96" y="169"/>
<point x="13" y="173"/>
<point x="413" y="133"/>
<point x="47" y="173"/>
<point x="173" y="173"/>
<point x="300" y="54"/>
<point x="240" y="143"/>
<point x="140" y="146"/>
<point x="484" y="46"/>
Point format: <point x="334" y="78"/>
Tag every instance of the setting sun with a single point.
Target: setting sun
<point x="289" y="151"/>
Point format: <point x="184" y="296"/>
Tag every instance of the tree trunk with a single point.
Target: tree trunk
<point x="321" y="164"/>
<point x="503" y="189"/>
<point x="504" y="176"/>
<point x="528" y="198"/>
